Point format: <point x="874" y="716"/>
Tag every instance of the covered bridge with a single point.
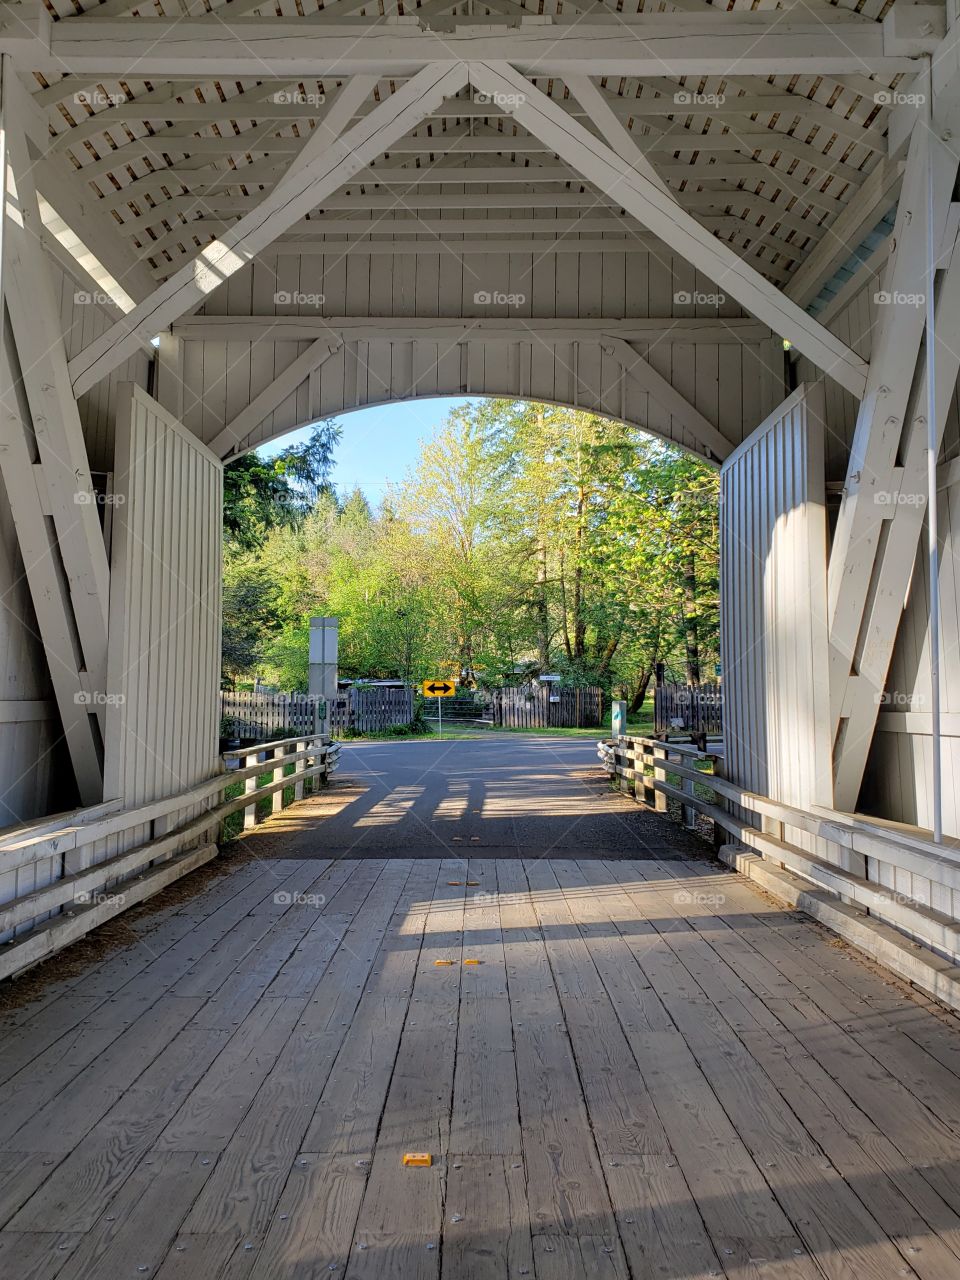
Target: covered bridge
<point x="732" y="225"/>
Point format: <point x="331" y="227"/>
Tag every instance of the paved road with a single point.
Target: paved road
<point x="496" y="796"/>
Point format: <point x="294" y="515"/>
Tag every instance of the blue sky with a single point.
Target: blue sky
<point x="380" y="443"/>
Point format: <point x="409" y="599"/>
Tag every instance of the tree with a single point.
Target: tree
<point x="528" y="538"/>
<point x="256" y="498"/>
<point x="260" y="494"/>
<point x="308" y="466"/>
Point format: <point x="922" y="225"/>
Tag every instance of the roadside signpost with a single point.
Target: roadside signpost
<point x="439" y="689"/>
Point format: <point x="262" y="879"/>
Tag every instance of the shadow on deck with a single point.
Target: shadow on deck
<point x="650" y="1071"/>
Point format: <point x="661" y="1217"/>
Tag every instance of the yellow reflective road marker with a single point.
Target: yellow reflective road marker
<point x="418" y="1159"/>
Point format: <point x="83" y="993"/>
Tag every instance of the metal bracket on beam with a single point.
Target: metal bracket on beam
<point x="913" y="29"/>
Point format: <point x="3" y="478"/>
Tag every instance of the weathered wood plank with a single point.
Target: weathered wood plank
<point x="486" y="1235"/>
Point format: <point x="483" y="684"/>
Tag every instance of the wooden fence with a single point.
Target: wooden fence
<point x="544" y="708"/>
<point x="259" y="716"/>
<point x="68" y="876"/>
<point x="841" y="868"/>
<point x="696" y="710"/>
<point x="370" y="709"/>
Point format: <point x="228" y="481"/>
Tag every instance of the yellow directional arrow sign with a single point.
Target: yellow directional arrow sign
<point x="439" y="688"/>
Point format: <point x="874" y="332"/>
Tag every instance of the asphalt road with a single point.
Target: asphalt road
<point x="495" y="796"/>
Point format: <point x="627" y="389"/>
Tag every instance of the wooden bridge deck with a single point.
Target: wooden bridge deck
<point x="651" y="1072"/>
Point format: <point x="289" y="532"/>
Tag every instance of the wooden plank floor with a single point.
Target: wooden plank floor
<point x="652" y="1071"/>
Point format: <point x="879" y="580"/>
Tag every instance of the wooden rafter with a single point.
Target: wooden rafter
<point x="646" y="202"/>
<point x="312" y="177"/>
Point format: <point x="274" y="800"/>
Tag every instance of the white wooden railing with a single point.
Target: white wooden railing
<point x="844" y="868"/>
<point x="62" y="876"/>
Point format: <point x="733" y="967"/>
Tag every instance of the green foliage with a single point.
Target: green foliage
<point x="260" y="494"/>
<point x="528" y="538"/>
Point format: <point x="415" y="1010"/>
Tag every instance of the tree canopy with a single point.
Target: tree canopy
<point x="528" y="538"/>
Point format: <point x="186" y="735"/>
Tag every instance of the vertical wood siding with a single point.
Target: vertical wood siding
<point x="734" y="385"/>
<point x="83" y="320"/>
<point x="164" y="651"/>
<point x="773" y="607"/>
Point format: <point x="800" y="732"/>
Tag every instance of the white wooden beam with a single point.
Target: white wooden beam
<point x="877" y="195"/>
<point x="79" y="210"/>
<point x="233" y="437"/>
<point x="597" y="107"/>
<point x="712" y="441"/>
<point x="626" y="242"/>
<point x="673" y="225"/>
<point x="314" y="175"/>
<point x="43" y="569"/>
<point x="709" y="44"/>
<point x="866" y="271"/>
<point x="883" y="411"/>
<point x="902" y="513"/>
<point x="54" y="419"/>
<point x="297" y="328"/>
<point x="168" y="388"/>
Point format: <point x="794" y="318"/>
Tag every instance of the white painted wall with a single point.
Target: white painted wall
<point x="773" y="607"/>
<point x="163" y="665"/>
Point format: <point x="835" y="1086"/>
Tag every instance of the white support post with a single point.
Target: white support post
<point x="649" y="791"/>
<point x="40" y="439"/>
<point x="278" y="754"/>
<point x="660" y="757"/>
<point x="933" y="454"/>
<point x="169" y="375"/>
<point x="603" y="168"/>
<point x="881" y="518"/>
<point x="250" y="787"/>
<point x="688" y="813"/>
<point x="298" y="769"/>
<point x="54" y="417"/>
<point x="41" y="560"/>
<point x="880" y="422"/>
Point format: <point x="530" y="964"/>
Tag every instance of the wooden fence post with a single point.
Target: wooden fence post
<point x="628" y="755"/>
<point x="250" y="812"/>
<point x="649" y="795"/>
<point x="278" y="754"/>
<point x="687" y="812"/>
<point x="660" y="775"/>
<point x="298" y="768"/>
